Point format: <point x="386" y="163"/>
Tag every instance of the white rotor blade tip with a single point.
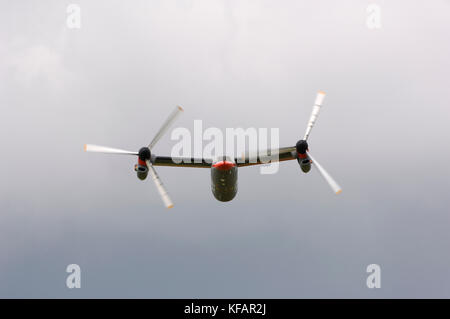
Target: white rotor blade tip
<point x="315" y="113"/>
<point x="319" y="98"/>
<point x="159" y="185"/>
<point x="106" y="149"/>
<point x="333" y="184"/>
<point x="178" y="109"/>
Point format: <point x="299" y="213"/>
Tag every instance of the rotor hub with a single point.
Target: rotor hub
<point x="301" y="147"/>
<point x="145" y="154"/>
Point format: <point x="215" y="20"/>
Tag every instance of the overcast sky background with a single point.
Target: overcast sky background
<point x="383" y="134"/>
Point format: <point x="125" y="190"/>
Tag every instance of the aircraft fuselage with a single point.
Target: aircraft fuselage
<point x="224" y="180"/>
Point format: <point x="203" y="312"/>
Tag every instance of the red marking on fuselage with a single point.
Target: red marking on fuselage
<point x="224" y="165"/>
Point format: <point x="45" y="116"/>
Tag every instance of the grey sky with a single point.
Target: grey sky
<point x="383" y="134"/>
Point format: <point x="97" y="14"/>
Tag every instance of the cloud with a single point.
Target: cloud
<point x="38" y="63"/>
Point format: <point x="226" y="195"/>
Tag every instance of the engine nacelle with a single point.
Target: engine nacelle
<point x="141" y="171"/>
<point x="141" y="167"/>
<point x="302" y="157"/>
<point x="305" y="164"/>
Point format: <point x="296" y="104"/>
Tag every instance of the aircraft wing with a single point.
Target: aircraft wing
<point x="247" y="159"/>
<point x="181" y="161"/>
<point x="253" y="158"/>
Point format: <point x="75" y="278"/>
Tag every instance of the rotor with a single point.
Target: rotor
<point x="302" y="145"/>
<point x="145" y="155"/>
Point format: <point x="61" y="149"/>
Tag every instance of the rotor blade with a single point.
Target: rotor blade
<point x="165" y="126"/>
<point x="315" y="113"/>
<point x="105" y="149"/>
<point x="159" y="185"/>
<point x="335" y="186"/>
